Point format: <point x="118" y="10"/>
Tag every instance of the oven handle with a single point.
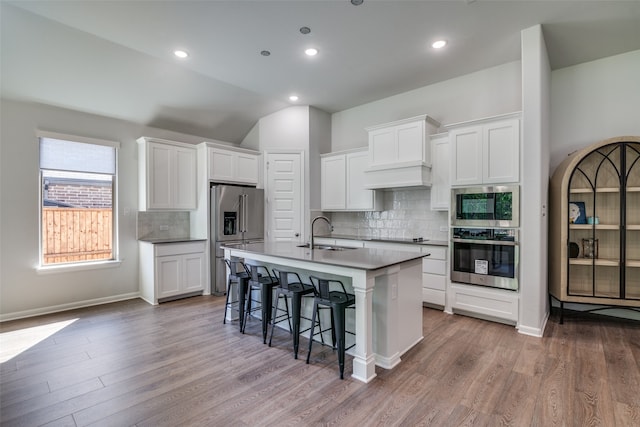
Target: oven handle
<point x="487" y="242"/>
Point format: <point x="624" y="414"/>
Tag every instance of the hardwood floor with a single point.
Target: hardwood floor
<point x="176" y="364"/>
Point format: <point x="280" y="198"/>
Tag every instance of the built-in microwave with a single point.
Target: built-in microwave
<point x="495" y="206"/>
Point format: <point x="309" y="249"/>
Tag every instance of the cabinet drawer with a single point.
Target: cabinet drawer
<point x="434" y="266"/>
<point x="479" y="300"/>
<point x="434" y="281"/>
<point x="431" y="296"/>
<point x="437" y="252"/>
<point x="164" y="249"/>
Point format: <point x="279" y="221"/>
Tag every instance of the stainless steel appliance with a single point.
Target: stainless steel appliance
<point x="237" y="216"/>
<point x="485" y="256"/>
<point x="497" y="206"/>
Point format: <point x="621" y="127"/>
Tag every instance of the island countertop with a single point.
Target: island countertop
<point x="361" y="258"/>
<point x="387" y="285"/>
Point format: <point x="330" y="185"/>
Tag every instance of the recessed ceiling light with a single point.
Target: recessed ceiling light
<point x="439" y="44"/>
<point x="181" y="54"/>
<point x="311" y="51"/>
<point x="293" y="98"/>
<point x="356" y="2"/>
<point x="265" y="53"/>
<point x="305" y="30"/>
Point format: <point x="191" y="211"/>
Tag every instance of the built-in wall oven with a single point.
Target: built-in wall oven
<point x="489" y="206"/>
<point x="485" y="256"/>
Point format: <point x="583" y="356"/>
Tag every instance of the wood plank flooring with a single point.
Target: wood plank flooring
<point x="132" y="364"/>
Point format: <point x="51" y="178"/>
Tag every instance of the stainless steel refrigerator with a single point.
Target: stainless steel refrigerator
<point x="237" y="216"/>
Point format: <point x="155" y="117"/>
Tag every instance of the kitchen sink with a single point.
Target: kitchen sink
<point x="326" y="247"/>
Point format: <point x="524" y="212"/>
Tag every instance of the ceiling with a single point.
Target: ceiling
<point x="114" y="58"/>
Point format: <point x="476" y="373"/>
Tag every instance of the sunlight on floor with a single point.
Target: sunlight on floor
<point x="15" y="342"/>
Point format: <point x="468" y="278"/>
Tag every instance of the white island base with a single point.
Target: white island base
<point x="388" y="290"/>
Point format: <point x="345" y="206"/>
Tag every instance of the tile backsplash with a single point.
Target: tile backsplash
<point x="407" y="214"/>
<point x="163" y="225"/>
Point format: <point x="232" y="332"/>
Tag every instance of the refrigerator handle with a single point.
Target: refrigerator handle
<point x="243" y="213"/>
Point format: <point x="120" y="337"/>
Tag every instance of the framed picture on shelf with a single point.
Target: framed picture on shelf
<point x="577" y="213"/>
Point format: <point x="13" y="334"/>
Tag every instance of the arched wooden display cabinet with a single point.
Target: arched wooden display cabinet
<point x="594" y="226"/>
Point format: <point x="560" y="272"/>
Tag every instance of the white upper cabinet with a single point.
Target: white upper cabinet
<point x="233" y="165"/>
<point x="399" y="155"/>
<point x="167" y="175"/>
<point x="343" y="186"/>
<point x="333" y="170"/>
<point x="440" y="187"/>
<point x="485" y="151"/>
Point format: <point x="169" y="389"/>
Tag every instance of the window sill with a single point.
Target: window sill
<point x="52" y="269"/>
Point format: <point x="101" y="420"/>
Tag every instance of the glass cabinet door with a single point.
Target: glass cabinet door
<point x="632" y="217"/>
<point x="594" y="224"/>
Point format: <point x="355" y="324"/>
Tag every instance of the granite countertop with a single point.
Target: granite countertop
<point x="170" y="239"/>
<point x="388" y="240"/>
<point x="361" y="258"/>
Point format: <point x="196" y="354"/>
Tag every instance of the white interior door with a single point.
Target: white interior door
<point x="284" y="196"/>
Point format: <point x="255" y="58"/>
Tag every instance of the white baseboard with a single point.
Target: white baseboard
<point x="69" y="306"/>
<point x="534" y="332"/>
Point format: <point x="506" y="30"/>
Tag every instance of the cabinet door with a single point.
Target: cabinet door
<point x="440" y="170"/>
<point x="466" y="152"/>
<point x="246" y="168"/>
<point x="410" y="142"/>
<point x="333" y="172"/>
<point x="501" y="152"/>
<point x="194" y="272"/>
<point x="358" y="197"/>
<point x="184" y="189"/>
<point x="168" y="275"/>
<point x="159" y="176"/>
<point x="221" y="165"/>
<point x="382" y="147"/>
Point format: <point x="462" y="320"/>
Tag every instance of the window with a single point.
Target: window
<point x="78" y="193"/>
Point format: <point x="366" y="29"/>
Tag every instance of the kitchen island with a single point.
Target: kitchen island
<point x="387" y="285"/>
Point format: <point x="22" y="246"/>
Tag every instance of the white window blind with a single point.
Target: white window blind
<point x="72" y="156"/>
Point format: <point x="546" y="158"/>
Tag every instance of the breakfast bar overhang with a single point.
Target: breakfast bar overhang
<point x="387" y="286"/>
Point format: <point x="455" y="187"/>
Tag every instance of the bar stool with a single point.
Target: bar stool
<point x="294" y="290"/>
<point x="266" y="283"/>
<point x="238" y="273"/>
<point x="339" y="301"/>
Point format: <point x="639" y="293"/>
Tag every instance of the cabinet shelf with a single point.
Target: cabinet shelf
<point x="633" y="227"/>
<point x="598" y="190"/>
<point x="591" y="226"/>
<point x="633" y="263"/>
<point x="598" y="261"/>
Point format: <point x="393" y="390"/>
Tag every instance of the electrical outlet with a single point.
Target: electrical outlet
<point x="164" y="228"/>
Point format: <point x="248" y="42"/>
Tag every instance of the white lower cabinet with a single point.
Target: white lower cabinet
<point x="434" y="269"/>
<point x="487" y="303"/>
<point x="170" y="270"/>
<point x="434" y="276"/>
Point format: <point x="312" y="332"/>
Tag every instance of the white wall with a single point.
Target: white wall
<point x="24" y="292"/>
<point x="536" y="76"/>
<point x="485" y="93"/>
<point x="594" y="101"/>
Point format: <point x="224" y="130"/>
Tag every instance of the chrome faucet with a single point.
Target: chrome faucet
<point x="313" y="222"/>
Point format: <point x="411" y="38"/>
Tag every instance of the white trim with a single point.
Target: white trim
<point x="534" y="332"/>
<point x="76" y="138"/>
<point x="68" y="306"/>
<point x="77" y="266"/>
<point x="514" y="115"/>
